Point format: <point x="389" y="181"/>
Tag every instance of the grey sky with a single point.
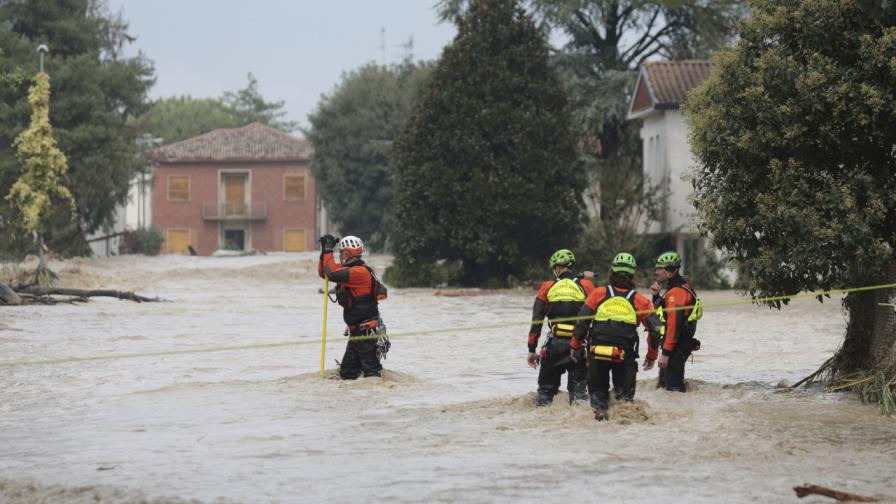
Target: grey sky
<point x="297" y="49"/>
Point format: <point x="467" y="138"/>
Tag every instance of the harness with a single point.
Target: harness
<point x="614" y="331"/>
<point x="687" y="326"/>
<point x="565" y="292"/>
<point x="377" y="292"/>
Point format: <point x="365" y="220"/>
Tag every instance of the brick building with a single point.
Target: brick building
<point x="247" y="188"/>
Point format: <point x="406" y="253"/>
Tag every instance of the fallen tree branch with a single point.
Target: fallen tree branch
<point x="36" y="290"/>
<point x="9" y="296"/>
<point x="807" y="489"/>
<point x="824" y="367"/>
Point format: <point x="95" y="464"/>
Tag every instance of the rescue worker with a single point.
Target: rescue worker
<point x="358" y="291"/>
<point x="609" y="324"/>
<point x="558" y="298"/>
<point x="680" y="309"/>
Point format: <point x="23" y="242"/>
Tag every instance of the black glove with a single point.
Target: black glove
<point x="328" y="242"/>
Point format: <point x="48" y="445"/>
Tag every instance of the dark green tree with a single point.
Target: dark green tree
<point x="487" y="173"/>
<point x="94" y="90"/>
<point x="353" y="131"/>
<point x="795" y="134"/>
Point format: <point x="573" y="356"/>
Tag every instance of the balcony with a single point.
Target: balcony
<point x="214" y="211"/>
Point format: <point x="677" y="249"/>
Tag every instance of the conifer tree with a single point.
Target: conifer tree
<point x="487" y="175"/>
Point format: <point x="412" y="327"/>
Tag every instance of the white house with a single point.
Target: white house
<point x="661" y="88"/>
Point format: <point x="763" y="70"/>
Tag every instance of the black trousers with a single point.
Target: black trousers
<point x="672" y="377"/>
<point x="553" y="365"/>
<point x="360" y="356"/>
<point x="624" y="377"/>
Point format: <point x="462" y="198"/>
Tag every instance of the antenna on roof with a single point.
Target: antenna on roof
<point x="408" y="48"/>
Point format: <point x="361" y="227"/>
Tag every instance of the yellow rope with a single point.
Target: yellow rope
<point x="479" y="327"/>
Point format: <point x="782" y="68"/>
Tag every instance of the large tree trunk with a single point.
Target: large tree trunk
<point x="870" y="343"/>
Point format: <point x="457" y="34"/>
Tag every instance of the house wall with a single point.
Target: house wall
<point x="266" y="182"/>
<point x="667" y="161"/>
<point x="680" y="163"/>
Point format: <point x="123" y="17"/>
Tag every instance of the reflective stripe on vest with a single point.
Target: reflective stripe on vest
<point x="566" y="289"/>
<point x="617" y="308"/>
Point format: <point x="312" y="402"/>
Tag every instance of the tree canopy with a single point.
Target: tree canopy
<point x="487" y="173"/>
<point x="353" y="130"/>
<point x="177" y="118"/>
<point x="795" y="133"/>
<point x="94" y="91"/>
<point x="41" y="186"/>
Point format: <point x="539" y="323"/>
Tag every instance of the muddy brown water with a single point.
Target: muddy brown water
<point x="452" y="419"/>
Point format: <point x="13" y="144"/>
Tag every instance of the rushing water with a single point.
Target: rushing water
<point x="451" y="421"/>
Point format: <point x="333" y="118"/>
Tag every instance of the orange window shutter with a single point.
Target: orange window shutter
<point x="294" y="187"/>
<point x="178" y="188"/>
<point x="294" y="241"/>
<point x="178" y="241"/>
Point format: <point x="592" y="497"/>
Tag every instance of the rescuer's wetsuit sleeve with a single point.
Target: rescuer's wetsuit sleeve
<point x="356" y="278"/>
<point x="539" y="312"/>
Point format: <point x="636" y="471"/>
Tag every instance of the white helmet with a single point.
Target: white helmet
<point x="353" y="244"/>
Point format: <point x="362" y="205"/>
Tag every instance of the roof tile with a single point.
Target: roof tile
<point x="673" y="80"/>
<point x="254" y="142"/>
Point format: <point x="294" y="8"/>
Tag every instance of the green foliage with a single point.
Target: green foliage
<point x="249" y="106"/>
<point x="94" y="91"/>
<point x="353" y="131"/>
<point x="181" y="117"/>
<point x="794" y="131"/>
<point x="487" y="174"/>
<point x="147" y="241"/>
<point x="41" y="187"/>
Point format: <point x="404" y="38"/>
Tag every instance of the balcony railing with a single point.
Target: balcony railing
<point x="214" y="211"/>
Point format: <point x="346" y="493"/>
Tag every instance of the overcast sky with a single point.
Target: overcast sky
<point x="296" y="48"/>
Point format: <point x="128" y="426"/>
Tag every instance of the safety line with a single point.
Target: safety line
<point x="479" y="327"/>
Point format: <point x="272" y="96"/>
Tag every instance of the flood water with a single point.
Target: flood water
<point x="451" y="421"/>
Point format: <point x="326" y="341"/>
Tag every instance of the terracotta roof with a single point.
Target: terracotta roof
<point x="668" y="83"/>
<point x="254" y="142"/>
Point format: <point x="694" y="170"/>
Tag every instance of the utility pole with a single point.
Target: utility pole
<point x="383" y="45"/>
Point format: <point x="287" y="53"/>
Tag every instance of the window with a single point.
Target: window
<point x="294" y="187"/>
<point x="293" y="240"/>
<point x="178" y="188"/>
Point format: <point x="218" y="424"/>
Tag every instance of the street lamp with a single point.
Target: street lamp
<point x="42" y="49"/>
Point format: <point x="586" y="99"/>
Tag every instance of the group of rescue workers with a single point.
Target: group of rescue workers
<point x="593" y="331"/>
